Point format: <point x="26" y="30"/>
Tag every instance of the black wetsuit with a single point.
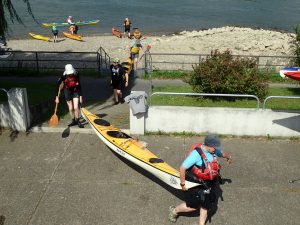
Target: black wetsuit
<point x="117" y="76"/>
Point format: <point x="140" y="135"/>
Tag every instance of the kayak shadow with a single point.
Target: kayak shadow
<point x="176" y="192"/>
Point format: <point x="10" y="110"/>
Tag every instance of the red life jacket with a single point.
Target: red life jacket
<point x="208" y="170"/>
<point x="71" y="82"/>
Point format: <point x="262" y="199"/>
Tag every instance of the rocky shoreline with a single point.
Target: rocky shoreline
<point x="239" y="40"/>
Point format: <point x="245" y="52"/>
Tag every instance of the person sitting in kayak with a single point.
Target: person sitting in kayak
<point x="55" y="32"/>
<point x="72" y="92"/>
<point x="70" y="20"/>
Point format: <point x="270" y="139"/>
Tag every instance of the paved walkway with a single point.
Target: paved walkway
<point x="49" y="180"/>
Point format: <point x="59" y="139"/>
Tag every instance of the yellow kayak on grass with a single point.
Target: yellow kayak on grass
<point x="134" y="151"/>
<point x="39" y="37"/>
<point x="73" y="36"/>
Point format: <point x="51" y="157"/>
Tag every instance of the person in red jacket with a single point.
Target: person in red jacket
<point x="202" y="196"/>
<point x="72" y="92"/>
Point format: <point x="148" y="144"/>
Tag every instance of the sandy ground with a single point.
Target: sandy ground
<point x="242" y="41"/>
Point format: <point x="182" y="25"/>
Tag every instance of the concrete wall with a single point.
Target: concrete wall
<point x="15" y="114"/>
<point x="227" y="121"/>
<point x="4" y="115"/>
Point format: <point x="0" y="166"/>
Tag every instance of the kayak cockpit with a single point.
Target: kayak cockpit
<point x="101" y="122"/>
<point x="117" y="134"/>
<point x="156" y="160"/>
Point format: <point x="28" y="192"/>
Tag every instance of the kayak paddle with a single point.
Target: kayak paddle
<point x="54" y="119"/>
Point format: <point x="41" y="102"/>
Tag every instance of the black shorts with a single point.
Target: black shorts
<point x="198" y="197"/>
<point x="127" y="29"/>
<point x="55" y="32"/>
<point x="117" y="84"/>
<point x="69" y="94"/>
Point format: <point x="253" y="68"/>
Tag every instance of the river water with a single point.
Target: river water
<point x="158" y="16"/>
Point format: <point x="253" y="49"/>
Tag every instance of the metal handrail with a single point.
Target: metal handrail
<point x="207" y="94"/>
<point x="278" y="96"/>
<point x="257" y="57"/>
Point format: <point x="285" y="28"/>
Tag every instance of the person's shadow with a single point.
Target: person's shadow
<point x="2" y="219"/>
<point x="218" y="195"/>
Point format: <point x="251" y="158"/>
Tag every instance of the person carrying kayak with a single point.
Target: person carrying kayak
<point x="55" y="32"/>
<point x="202" y="163"/>
<point x="72" y="92"/>
<point x="119" y="79"/>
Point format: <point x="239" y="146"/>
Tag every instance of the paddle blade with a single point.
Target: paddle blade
<point x="53" y="121"/>
<point x="66" y="132"/>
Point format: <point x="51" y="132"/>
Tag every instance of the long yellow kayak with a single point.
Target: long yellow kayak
<point x="73" y="36"/>
<point x="134" y="151"/>
<point x="39" y="37"/>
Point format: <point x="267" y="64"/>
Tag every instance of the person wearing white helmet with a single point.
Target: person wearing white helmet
<point x="72" y="92"/>
<point x="70" y="20"/>
<point x="73" y="28"/>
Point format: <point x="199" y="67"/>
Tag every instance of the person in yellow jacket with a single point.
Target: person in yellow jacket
<point x="135" y="48"/>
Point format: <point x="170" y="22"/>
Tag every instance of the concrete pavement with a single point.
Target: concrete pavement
<point x="46" y="179"/>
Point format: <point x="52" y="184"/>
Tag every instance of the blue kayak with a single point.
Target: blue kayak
<point x="79" y="23"/>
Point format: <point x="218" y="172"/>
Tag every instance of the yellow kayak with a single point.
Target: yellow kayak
<point x="127" y="65"/>
<point x="134" y="151"/>
<point x="39" y="37"/>
<point x="73" y="36"/>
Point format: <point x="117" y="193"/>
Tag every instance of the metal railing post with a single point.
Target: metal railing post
<point x="146" y="61"/>
<point x="37" y="62"/>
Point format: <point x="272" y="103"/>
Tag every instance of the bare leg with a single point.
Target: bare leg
<point x="183" y="208"/>
<point x="71" y="110"/>
<point x="203" y="216"/>
<point x="136" y="62"/>
<point x="76" y="107"/>
<point x="119" y="94"/>
<point x="116" y="95"/>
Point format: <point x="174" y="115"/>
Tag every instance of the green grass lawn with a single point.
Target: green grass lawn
<point x="36" y="92"/>
<point x="173" y="100"/>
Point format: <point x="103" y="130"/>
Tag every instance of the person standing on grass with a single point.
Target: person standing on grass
<point x="73" y="94"/>
<point x="119" y="80"/>
<point x="202" y="163"/>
